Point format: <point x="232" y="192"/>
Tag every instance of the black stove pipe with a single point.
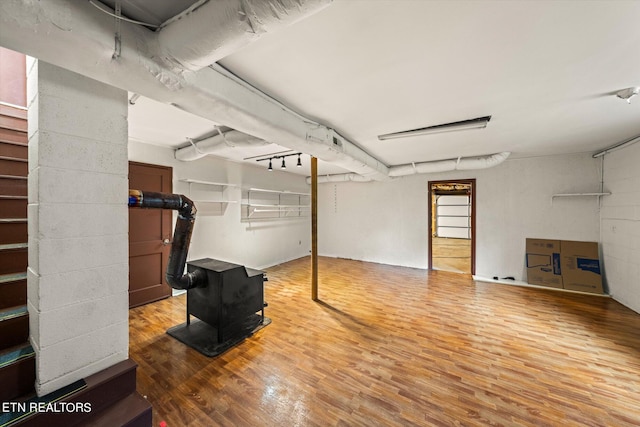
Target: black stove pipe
<point x="176" y="278"/>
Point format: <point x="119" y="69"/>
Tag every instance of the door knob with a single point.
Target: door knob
<point x="166" y="242"/>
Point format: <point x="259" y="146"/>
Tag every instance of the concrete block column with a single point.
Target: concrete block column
<point x="78" y="225"/>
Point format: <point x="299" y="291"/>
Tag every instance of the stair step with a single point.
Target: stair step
<point x="12" y="136"/>
<point x="13" y="230"/>
<point x="13" y="207"/>
<point x="13" y="354"/>
<point x="14" y="326"/>
<point x="12" y="185"/>
<point x="17" y="371"/>
<point x="14" y="159"/>
<point x="14" y="258"/>
<point x="13" y="312"/>
<point x="103" y="391"/>
<point x="132" y="411"/>
<point x="13" y="110"/>
<point x="13" y="277"/>
<point x="13" y="290"/>
<point x="14" y="150"/>
<point x="14" y="166"/>
<point x="12" y="220"/>
<point x="5" y="197"/>
<point x="25" y="410"/>
<point x="13" y="123"/>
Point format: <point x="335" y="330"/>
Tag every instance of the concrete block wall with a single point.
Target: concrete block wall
<point x="620" y="225"/>
<point x="78" y="225"/>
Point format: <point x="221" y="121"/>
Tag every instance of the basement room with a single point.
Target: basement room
<point x="319" y="213"/>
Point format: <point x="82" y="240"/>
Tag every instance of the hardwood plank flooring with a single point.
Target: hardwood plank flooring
<point x="393" y="346"/>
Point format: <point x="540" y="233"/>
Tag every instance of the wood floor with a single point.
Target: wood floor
<point x="451" y="254"/>
<point x="392" y="346"/>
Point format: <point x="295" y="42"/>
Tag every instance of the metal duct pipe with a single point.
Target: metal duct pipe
<point x="221" y="27"/>
<point x="342" y="177"/>
<point x="176" y="278"/>
<point x="461" y="163"/>
<point x="210" y="145"/>
<point x="54" y="31"/>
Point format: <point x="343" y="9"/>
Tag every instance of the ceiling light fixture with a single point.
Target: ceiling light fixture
<point x="284" y="165"/>
<point x="628" y="93"/>
<point x="478" y="123"/>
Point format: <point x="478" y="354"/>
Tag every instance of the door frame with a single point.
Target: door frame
<point x="472" y="183"/>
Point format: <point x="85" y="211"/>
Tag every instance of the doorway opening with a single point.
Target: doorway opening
<point x="452" y="218"/>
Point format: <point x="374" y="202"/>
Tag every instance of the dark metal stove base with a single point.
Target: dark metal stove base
<point x="203" y="337"/>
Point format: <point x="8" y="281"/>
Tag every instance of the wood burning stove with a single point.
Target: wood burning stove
<point x="224" y="297"/>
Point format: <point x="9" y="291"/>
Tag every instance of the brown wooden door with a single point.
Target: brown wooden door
<point x="149" y="237"/>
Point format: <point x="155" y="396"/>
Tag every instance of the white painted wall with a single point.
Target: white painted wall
<point x="77" y="279"/>
<point x="387" y="222"/>
<point x="620" y="225"/>
<point x="258" y="244"/>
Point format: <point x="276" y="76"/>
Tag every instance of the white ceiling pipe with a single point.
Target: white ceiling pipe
<point x="483" y="162"/>
<point x="462" y="163"/>
<point x="342" y="177"/>
<point x="221" y="27"/>
<point x="215" y="143"/>
<point x="425" y="167"/>
<point x="56" y="30"/>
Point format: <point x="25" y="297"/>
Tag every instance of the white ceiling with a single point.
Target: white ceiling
<point x="546" y="71"/>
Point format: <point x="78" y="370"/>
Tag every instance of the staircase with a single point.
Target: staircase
<point x="17" y="359"/>
<point x="110" y="394"/>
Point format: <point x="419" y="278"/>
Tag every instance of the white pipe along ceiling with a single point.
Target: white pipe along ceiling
<point x="173" y="65"/>
<point x="213" y="144"/>
<point x="461" y="163"/>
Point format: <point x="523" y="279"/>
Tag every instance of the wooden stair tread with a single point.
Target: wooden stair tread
<point x="111" y="393"/>
<point x="12" y="277"/>
<point x="10" y="246"/>
<point x="131" y="411"/>
<point x="5" y="197"/>
<point x="17" y="177"/>
<point x="13" y="312"/>
<point x="14" y="159"/>
<point x="13" y="220"/>
<point x="14" y="354"/>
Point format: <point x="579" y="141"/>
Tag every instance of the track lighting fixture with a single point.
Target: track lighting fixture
<point x="283" y="156"/>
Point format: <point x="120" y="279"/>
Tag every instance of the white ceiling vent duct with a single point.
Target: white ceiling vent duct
<point x="221" y="27"/>
<point x="55" y="31"/>
<point x="461" y="163"/>
<point x="215" y="143"/>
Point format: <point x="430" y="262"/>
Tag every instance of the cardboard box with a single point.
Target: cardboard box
<point x="581" y="266"/>
<point x="543" y="263"/>
<point x="564" y="264"/>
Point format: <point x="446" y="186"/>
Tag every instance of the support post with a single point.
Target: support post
<point x="314" y="228"/>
